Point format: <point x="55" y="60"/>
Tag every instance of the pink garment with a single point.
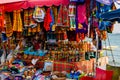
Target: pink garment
<point x="82" y="13"/>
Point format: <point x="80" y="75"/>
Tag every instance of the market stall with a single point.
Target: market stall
<point x="43" y="39"/>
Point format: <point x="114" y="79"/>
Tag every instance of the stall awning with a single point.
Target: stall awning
<point x="9" y="1"/>
<point x="24" y="4"/>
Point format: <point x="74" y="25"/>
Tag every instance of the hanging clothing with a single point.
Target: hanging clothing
<point x="63" y="19"/>
<point x="53" y="21"/>
<point x="47" y="20"/>
<point x="28" y="18"/>
<point x="17" y="21"/>
<point x="2" y="17"/>
<point x="101" y="8"/>
<point x="82" y="26"/>
<point x="55" y="13"/>
<point x="81" y="13"/>
<point x="9" y="27"/>
<point x="72" y="13"/>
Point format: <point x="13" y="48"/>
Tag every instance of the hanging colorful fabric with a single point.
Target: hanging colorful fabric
<point x="59" y="20"/>
<point x="53" y="21"/>
<point x="28" y="18"/>
<point x="63" y="19"/>
<point x="101" y="9"/>
<point x="81" y="27"/>
<point x="2" y="17"/>
<point x="39" y="14"/>
<point x="9" y="28"/>
<point x="72" y="13"/>
<point x="47" y="20"/>
<point x="81" y="13"/>
<point x="17" y="21"/>
<point x="32" y="23"/>
<point x="54" y="8"/>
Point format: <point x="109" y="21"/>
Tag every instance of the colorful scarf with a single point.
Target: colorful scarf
<point x="9" y="28"/>
<point x="63" y="19"/>
<point x="53" y="21"/>
<point x="28" y="18"/>
<point x="47" y="20"/>
<point x="72" y="13"/>
<point x="55" y="12"/>
<point x="17" y="21"/>
<point x="2" y="17"/>
<point x="81" y="20"/>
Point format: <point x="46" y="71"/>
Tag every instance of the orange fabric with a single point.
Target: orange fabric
<point x="17" y="21"/>
<point x="8" y="24"/>
<point x="1" y="17"/>
<point x="86" y="66"/>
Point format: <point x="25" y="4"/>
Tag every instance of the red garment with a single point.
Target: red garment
<point x="63" y="18"/>
<point x="103" y="74"/>
<point x="87" y="78"/>
<point x="47" y="20"/>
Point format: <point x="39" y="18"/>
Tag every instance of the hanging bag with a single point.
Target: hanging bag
<point x="38" y="14"/>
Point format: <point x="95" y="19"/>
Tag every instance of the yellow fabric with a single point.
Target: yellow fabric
<point x="8" y="25"/>
<point x="17" y="21"/>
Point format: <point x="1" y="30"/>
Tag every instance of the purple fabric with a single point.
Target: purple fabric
<point x="84" y="28"/>
<point x="107" y="2"/>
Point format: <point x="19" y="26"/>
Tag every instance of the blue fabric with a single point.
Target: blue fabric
<point x="42" y="52"/>
<point x="4" y="37"/>
<point x="28" y="50"/>
<point x="101" y="9"/>
<point x="111" y="15"/>
<point x="80" y="1"/>
<point x="104" y="24"/>
<point x="74" y="75"/>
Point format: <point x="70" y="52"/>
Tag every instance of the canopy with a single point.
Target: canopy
<point x="24" y="4"/>
<point x="9" y="1"/>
